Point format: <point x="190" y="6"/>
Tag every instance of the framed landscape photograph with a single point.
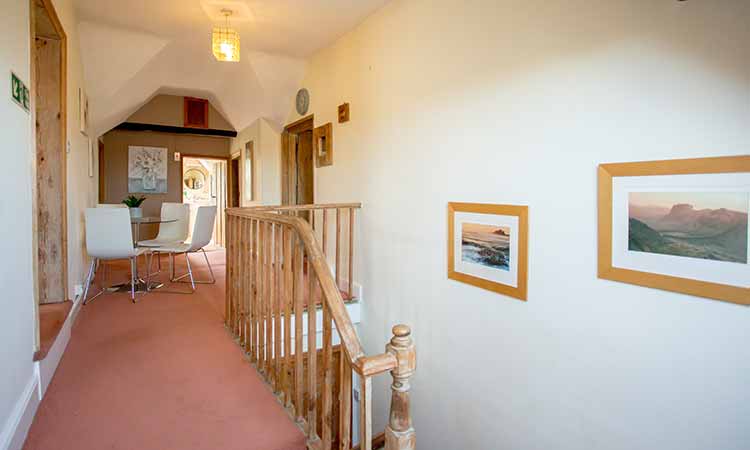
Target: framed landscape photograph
<point x="677" y="225"/>
<point x="488" y="246"/>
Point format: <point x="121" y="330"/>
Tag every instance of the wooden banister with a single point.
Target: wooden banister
<point x="276" y="272"/>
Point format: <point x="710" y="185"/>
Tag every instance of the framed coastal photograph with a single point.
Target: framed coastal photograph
<point x="488" y="246"/>
<point x="147" y="170"/>
<point x="677" y="225"/>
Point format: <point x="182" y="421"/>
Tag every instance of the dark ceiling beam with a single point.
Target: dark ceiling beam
<point x="133" y="126"/>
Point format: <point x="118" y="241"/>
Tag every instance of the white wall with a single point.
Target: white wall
<point x="17" y="318"/>
<point x="266" y="139"/>
<point x="82" y="189"/>
<point x="18" y="398"/>
<point x="503" y="101"/>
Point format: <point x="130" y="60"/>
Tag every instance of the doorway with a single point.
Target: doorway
<point x="297" y="174"/>
<point x="234" y="183"/>
<point x="48" y="92"/>
<point x="205" y="183"/>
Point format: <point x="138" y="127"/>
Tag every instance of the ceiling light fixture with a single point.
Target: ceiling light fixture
<point x="225" y="41"/>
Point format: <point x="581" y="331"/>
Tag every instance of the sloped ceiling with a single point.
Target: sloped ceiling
<point x="136" y="49"/>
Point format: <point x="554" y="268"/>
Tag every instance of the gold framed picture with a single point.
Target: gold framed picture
<point x="488" y="246"/>
<point x="678" y="225"/>
<point x="323" y="145"/>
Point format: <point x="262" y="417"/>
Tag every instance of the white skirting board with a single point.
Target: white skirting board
<point x="48" y="365"/>
<point x="17" y="427"/>
<point x="18" y="424"/>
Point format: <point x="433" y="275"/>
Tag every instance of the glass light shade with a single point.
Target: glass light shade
<point x="226" y="44"/>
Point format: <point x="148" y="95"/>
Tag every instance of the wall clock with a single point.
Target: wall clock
<point x="303" y="101"/>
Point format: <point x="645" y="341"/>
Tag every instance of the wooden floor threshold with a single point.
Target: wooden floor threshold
<point x="52" y="317"/>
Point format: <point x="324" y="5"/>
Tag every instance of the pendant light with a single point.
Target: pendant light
<point x="225" y="41"/>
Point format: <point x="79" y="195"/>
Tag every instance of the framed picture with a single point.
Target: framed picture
<point x="147" y="170"/>
<point x="83" y="111"/>
<point x="92" y="153"/>
<point x="678" y="225"/>
<point x="323" y="145"/>
<point x="488" y="246"/>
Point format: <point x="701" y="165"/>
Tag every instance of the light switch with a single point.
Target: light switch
<point x="176" y="156"/>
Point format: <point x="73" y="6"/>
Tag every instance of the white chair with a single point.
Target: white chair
<point x="203" y="229"/>
<point x="171" y="232"/>
<point x="108" y="237"/>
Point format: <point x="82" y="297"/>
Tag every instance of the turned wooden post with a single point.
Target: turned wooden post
<point x="399" y="433"/>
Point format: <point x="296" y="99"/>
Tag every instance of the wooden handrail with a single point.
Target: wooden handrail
<point x="274" y="265"/>
<point x="309" y="207"/>
<point x="317" y="261"/>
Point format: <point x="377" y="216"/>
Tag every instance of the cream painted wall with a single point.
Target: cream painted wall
<point x="266" y="139"/>
<point x="17" y="318"/>
<point x="81" y="189"/>
<point x="170" y="110"/>
<point x="517" y="102"/>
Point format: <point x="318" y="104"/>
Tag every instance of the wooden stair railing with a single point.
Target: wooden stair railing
<point x="276" y="270"/>
<point x="344" y="229"/>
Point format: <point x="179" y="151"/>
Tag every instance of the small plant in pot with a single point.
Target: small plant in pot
<point x="134" y="203"/>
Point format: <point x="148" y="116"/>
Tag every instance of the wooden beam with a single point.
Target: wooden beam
<point x="133" y="126"/>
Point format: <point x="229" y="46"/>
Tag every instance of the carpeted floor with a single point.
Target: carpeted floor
<point x="161" y="374"/>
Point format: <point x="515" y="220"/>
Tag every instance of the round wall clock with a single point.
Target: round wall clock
<point x="303" y="101"/>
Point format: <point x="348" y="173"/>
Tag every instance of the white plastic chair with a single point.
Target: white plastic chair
<point x="202" y="231"/>
<point x="171" y="232"/>
<point x="109" y="236"/>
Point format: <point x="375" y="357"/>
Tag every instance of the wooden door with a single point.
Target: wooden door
<point x="305" y="164"/>
<point x="297" y="162"/>
<point x="234" y="177"/>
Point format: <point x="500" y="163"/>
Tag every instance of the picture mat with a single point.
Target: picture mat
<point x="734" y="274"/>
<point x="506" y="277"/>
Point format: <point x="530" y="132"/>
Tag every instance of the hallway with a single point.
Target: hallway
<point x="159" y="374"/>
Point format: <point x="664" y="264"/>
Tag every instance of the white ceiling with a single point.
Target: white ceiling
<point x="135" y="49"/>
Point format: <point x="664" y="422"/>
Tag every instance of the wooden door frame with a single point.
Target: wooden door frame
<point x="302" y="125"/>
<point x="227" y="159"/>
<point x="55" y="20"/>
<point x="230" y="177"/>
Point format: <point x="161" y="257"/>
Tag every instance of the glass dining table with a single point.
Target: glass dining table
<point x="140" y="283"/>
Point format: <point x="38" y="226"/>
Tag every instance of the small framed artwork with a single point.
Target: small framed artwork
<point x="92" y="157"/>
<point x="488" y="246"/>
<point x="677" y="225"/>
<point x="323" y="145"/>
<point x="83" y="111"/>
<point x="344" y="113"/>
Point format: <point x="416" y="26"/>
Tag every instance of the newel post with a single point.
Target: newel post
<point x="399" y="433"/>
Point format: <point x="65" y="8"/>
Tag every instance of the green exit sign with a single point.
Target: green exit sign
<point x="19" y="92"/>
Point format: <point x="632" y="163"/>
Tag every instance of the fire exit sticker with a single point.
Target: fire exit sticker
<point x="19" y="92"/>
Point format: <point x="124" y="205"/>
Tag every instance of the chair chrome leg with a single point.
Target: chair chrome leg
<point x="171" y="267"/>
<point x="149" y="261"/>
<point x="210" y="270"/>
<point x="89" y="279"/>
<point x="190" y="271"/>
<point x="193" y="281"/>
<point x="132" y="278"/>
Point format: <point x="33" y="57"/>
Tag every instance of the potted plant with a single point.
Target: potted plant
<point x="134" y="203"/>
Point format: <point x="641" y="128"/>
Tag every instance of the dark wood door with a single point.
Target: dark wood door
<point x="234" y="187"/>
<point x="305" y="164"/>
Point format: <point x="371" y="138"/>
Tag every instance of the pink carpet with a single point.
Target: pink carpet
<point x="161" y="374"/>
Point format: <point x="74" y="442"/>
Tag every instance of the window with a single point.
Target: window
<point x="196" y="112"/>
